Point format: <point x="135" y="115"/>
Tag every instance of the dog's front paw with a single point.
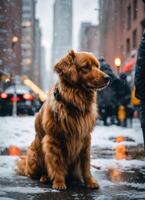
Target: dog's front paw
<point x="91" y="183"/>
<point x="59" y="185"/>
<point x="43" y="179"/>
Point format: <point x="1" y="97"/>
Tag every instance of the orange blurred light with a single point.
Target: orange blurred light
<point x="121" y="113"/>
<point x="42" y="95"/>
<point x="115" y="175"/>
<point x="128" y="66"/>
<point x="120" y="139"/>
<point x="117" y="62"/>
<point x="121" y="152"/>
<point x="27" y="96"/>
<point x="14" y="151"/>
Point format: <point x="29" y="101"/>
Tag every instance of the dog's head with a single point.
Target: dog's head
<point x="81" y="69"/>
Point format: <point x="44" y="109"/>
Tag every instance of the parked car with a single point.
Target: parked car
<point x="25" y="100"/>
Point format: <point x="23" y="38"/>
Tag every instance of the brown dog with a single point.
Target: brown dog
<point x="64" y="124"/>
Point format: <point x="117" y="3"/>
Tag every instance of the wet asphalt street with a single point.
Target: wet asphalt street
<point x="120" y="173"/>
<point x="115" y="183"/>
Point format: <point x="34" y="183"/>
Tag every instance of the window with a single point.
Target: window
<point x="135" y="9"/>
<point x="129" y="17"/>
<point x="2" y="30"/>
<point x="2" y="40"/>
<point x="134" y="39"/>
<point x="128" y="45"/>
<point x="3" y="18"/>
<point x="122" y="49"/>
<point x="26" y="3"/>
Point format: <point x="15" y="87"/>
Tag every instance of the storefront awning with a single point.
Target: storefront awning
<point x="128" y="66"/>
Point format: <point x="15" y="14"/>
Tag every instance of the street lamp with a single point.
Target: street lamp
<point x="14" y="40"/>
<point x="117" y="64"/>
<point x="14" y="111"/>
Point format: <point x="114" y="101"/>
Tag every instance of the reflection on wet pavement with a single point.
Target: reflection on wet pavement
<point x="131" y="175"/>
<point x="117" y="163"/>
<point x="118" y="180"/>
<point x="121" y="150"/>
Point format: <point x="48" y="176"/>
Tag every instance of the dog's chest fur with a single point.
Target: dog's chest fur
<point x="76" y="129"/>
<point x="71" y="128"/>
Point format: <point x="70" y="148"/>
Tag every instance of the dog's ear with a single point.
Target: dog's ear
<point x="65" y="63"/>
<point x="66" y="67"/>
<point x="71" y="55"/>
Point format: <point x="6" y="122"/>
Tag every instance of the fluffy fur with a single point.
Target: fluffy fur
<point x="64" y="124"/>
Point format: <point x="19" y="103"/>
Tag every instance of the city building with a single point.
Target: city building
<point x="43" y="73"/>
<point x="62" y="29"/>
<point x="89" y="38"/>
<point x="37" y="60"/>
<point x="28" y="38"/>
<point x="10" y="36"/>
<point x="121" y="27"/>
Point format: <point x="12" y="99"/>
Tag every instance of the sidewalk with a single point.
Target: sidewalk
<point x="116" y="157"/>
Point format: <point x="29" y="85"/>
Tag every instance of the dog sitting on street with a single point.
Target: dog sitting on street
<point x="64" y="124"/>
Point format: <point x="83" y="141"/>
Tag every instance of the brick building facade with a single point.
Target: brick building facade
<point x="10" y="36"/>
<point x="121" y="28"/>
<point x="20" y="41"/>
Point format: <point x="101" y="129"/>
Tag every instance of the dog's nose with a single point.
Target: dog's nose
<point x="107" y="78"/>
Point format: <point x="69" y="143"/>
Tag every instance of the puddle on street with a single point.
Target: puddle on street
<point x="120" y="151"/>
<point x="117" y="175"/>
<point x="127" y="152"/>
<point x="121" y="139"/>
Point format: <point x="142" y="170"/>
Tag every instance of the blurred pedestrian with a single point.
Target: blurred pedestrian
<point x="140" y="82"/>
<point x="107" y="102"/>
<point x="124" y="97"/>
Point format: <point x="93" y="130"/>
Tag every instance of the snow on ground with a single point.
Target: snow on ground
<point x="19" y="131"/>
<point x="26" y="190"/>
<point x="7" y="166"/>
<point x="106" y="164"/>
<point x="102" y="135"/>
<point x="111" y="174"/>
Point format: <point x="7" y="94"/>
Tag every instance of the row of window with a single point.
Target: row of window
<point x="134" y="42"/>
<point x="132" y="11"/>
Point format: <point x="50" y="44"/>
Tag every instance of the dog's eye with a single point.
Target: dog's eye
<point x="86" y="68"/>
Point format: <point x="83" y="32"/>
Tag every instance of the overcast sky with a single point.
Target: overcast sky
<point x="83" y="11"/>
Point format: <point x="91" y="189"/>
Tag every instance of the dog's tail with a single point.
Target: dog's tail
<point x="21" y="166"/>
